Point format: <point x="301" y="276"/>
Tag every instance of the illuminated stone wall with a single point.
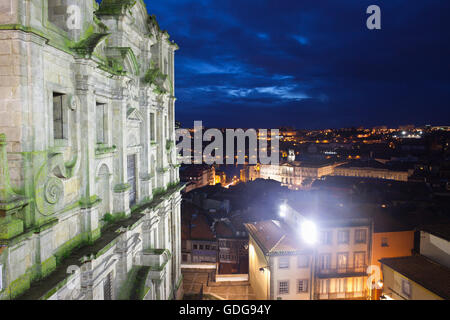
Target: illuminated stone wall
<point x="69" y="162"/>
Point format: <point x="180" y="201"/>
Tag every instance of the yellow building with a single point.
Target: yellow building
<point x="421" y="277"/>
<point x="415" y="278"/>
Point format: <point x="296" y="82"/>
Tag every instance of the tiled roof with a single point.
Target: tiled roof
<point x="274" y="237"/>
<point x="439" y="230"/>
<point x="430" y="275"/>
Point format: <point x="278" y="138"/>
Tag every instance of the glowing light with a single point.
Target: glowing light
<point x="308" y="231"/>
<point x="283" y="209"/>
<point x="380" y="284"/>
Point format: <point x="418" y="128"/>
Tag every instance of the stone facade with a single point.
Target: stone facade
<point x="88" y="162"/>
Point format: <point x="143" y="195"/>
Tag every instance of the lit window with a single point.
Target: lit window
<point x="303" y="261"/>
<point x="302" y="286"/>
<point x="283" y="287"/>
<point x="343" y="237"/>
<point x="360" y="236"/>
<point x="283" y="263"/>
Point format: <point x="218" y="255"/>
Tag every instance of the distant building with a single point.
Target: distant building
<point x="197" y="176"/>
<point x="198" y="242"/>
<point x="233" y="249"/>
<point x="297" y="175"/>
<point x="421" y="277"/>
<point x="370" y="169"/>
<point x="250" y="173"/>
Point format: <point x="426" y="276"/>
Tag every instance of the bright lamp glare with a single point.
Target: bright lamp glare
<point x="309" y="232"/>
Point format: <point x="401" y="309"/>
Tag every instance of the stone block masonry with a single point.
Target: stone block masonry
<point x="89" y="188"/>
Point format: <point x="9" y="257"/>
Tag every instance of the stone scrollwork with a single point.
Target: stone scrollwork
<point x="54" y="190"/>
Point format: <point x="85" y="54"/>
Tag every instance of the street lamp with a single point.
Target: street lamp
<point x="283" y="209"/>
<point x="308" y="231"/>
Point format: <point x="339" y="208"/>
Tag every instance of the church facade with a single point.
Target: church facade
<point x="89" y="184"/>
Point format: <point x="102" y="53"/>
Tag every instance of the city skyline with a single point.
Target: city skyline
<point x="308" y="65"/>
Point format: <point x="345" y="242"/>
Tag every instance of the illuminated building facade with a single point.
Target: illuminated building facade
<point x="90" y="205"/>
<point x="295" y="174"/>
<point x="326" y="260"/>
<point x="370" y="169"/>
<point x="424" y="276"/>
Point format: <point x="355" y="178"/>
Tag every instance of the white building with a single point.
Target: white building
<point x="295" y="174"/>
<point x="87" y="124"/>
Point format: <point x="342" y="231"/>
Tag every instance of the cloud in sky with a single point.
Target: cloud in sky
<point x="307" y="63"/>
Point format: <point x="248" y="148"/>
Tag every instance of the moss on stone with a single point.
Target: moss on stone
<point x="48" y="266"/>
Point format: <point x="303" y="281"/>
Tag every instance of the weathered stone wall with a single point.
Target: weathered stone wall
<point x="75" y="185"/>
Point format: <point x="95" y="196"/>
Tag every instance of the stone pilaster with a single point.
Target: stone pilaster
<point x="10" y="202"/>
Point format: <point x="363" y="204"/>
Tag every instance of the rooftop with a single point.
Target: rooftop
<point x="430" y="275"/>
<point x="439" y="230"/>
<point x="275" y="237"/>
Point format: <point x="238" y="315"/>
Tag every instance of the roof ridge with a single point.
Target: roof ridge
<point x="276" y="244"/>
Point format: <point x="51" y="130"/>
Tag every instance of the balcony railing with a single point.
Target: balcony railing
<point x="340" y="295"/>
<point x="341" y="271"/>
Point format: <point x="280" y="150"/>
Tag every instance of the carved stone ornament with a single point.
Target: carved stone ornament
<point x="54" y="190"/>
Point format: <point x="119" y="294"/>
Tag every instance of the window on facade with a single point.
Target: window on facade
<point x="303" y="261"/>
<point x="358" y="284"/>
<point x="58" y="116"/>
<point x="201" y="247"/>
<point x="360" y="259"/>
<point x="107" y="287"/>
<point x="283" y="263"/>
<point x="184" y="258"/>
<point x="195" y="247"/>
<point x="283" y="287"/>
<point x="100" y="117"/>
<point x="166" y="125"/>
<point x="325" y="261"/>
<point x="341" y="284"/>
<point x="343" y="237"/>
<point x="324" y="286"/>
<point x="207" y="247"/>
<point x="360" y="236"/>
<point x="406" y="288"/>
<point x="152" y="127"/>
<point x="325" y="237"/>
<point x="384" y="242"/>
<point x="302" y="286"/>
<point x="342" y="260"/>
